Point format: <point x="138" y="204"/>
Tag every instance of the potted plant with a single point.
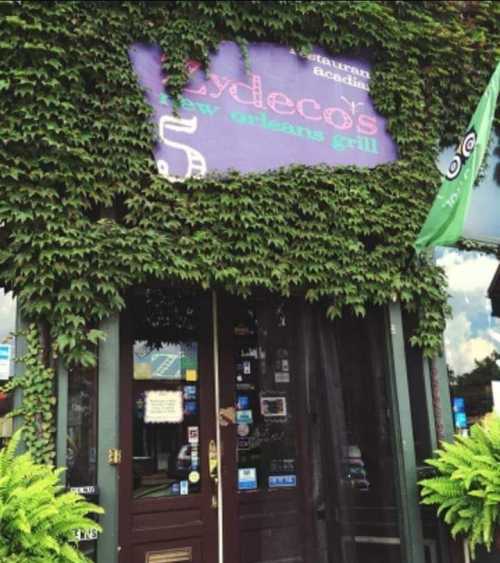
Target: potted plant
<point x="39" y="522"/>
<point x="466" y="487"/>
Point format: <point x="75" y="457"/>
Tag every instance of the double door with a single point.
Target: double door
<point x="214" y="447"/>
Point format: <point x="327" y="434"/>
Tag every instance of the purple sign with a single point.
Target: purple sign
<point x="286" y="109"/>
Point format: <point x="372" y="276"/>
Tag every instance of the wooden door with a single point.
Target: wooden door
<point x="265" y="471"/>
<point x="167" y="498"/>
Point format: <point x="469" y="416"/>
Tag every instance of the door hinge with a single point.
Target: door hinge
<point x="114" y="456"/>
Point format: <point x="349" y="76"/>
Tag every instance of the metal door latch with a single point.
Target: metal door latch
<point x="114" y="456"/>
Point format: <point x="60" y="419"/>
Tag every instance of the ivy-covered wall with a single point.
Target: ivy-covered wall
<point x="84" y="214"/>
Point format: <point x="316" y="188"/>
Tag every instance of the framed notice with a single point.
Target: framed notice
<point x="163" y="407"/>
<point x="273" y="406"/>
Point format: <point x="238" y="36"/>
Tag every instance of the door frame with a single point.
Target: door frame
<point x="108" y="435"/>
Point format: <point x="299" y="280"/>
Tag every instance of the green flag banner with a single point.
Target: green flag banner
<point x="445" y="222"/>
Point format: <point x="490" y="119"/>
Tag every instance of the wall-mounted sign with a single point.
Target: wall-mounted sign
<point x="287" y="109"/>
<point x="163" y="406"/>
<point x="5" y="353"/>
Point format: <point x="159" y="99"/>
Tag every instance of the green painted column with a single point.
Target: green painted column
<point x="108" y="437"/>
<point x="62" y="417"/>
<point x="412" y="543"/>
<point x="445" y="397"/>
<point x="20" y="350"/>
<point x="429" y="404"/>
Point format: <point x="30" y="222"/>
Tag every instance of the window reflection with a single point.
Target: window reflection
<point x="472" y="336"/>
<point x="81" y="455"/>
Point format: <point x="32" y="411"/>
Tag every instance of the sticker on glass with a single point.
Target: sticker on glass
<point x="244" y="417"/>
<point x="184" y="487"/>
<point x="191" y="375"/>
<point x="247" y="478"/>
<point x="281" y="481"/>
<point x="193" y="434"/>
<point x="194" y="477"/>
<point x="190" y="408"/>
<point x="282" y="377"/>
<point x="243" y="430"/>
<point x="189" y="392"/>
<point x="243" y="402"/>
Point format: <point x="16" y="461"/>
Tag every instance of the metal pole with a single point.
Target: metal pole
<point x="215" y="339"/>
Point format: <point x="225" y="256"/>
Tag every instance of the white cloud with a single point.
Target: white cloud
<point x="468" y="272"/>
<point x="472" y="333"/>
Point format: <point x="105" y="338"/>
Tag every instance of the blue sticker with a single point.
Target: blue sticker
<point x="247" y="478"/>
<point x="460" y="420"/>
<point x="458" y="404"/>
<point x="243" y="402"/>
<point x="277" y="481"/>
<point x="244" y="417"/>
<point x="5" y="351"/>
<point x="190" y="408"/>
<point x="175" y="488"/>
<point x="184" y="487"/>
<point x="189" y="392"/>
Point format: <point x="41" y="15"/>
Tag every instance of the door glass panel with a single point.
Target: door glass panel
<point x="166" y="398"/>
<point x="81" y="453"/>
<point x="314" y="476"/>
<point x="265" y="417"/>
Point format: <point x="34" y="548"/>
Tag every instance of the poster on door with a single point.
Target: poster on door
<point x="286" y="109"/>
<point x="168" y="361"/>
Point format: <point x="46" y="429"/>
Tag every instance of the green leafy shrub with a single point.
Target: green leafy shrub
<point x="466" y="488"/>
<point x="38" y="521"/>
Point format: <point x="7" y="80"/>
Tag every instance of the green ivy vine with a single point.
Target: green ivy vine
<point x="36" y="385"/>
<point x="84" y="215"/>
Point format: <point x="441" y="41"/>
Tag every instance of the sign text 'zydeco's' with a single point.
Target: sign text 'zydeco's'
<point x="285" y="110"/>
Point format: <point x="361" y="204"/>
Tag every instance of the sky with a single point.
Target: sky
<point x="472" y="333"/>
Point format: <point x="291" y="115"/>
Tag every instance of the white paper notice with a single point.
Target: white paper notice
<point x="163" y="406"/>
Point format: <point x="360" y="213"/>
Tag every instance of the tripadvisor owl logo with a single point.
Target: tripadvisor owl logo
<point x="462" y="154"/>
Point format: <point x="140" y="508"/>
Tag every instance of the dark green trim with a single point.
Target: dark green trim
<point x="108" y="432"/>
<point x="444" y="393"/>
<point x="62" y="417"/>
<point x="412" y="544"/>
<point x="443" y="536"/>
<point x="20" y="350"/>
<point x="429" y="403"/>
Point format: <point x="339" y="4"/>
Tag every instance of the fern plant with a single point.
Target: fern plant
<point x="38" y="520"/>
<point x="466" y="488"/>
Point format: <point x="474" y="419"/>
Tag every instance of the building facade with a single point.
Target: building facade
<point x="208" y="216"/>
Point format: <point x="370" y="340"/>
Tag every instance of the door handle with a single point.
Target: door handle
<point x="213" y="461"/>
